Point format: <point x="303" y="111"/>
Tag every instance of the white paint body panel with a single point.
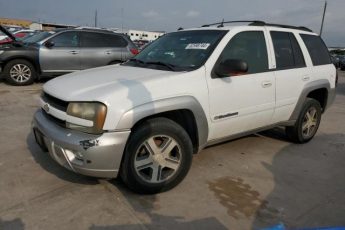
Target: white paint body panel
<point x="123" y="88"/>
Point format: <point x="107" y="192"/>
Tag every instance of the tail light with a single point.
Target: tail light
<point x="134" y="51"/>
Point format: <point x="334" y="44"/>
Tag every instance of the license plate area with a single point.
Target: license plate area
<point x="39" y="137"/>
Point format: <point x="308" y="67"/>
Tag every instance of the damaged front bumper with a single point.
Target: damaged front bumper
<point x="87" y="154"/>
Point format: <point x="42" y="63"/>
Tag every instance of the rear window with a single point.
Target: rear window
<point x="317" y="49"/>
<point x="89" y="39"/>
<point x="287" y="51"/>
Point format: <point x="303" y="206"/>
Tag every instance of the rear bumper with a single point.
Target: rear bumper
<point x="87" y="154"/>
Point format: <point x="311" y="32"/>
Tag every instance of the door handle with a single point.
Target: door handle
<point x="266" y="84"/>
<point x="108" y="52"/>
<point x="73" y="52"/>
<point x="306" y="78"/>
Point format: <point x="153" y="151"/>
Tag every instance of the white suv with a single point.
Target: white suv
<point x="144" y="119"/>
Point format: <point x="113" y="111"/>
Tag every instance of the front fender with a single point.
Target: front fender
<point x="131" y="117"/>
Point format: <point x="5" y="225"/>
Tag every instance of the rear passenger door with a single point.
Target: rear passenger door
<point x="100" y="49"/>
<point x="291" y="72"/>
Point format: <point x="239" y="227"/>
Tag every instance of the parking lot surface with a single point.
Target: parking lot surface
<point x="256" y="181"/>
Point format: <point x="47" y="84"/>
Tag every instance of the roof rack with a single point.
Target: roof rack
<point x="258" y="23"/>
<point x="93" y="28"/>
<point x="221" y="24"/>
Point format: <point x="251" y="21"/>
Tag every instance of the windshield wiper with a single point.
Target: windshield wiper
<point x="168" y="65"/>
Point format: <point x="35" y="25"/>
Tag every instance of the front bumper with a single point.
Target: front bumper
<point x="87" y="154"/>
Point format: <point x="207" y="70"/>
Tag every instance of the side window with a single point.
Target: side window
<point x="297" y="52"/>
<point x="287" y="50"/>
<point x="317" y="49"/>
<point x="116" y="41"/>
<point x="248" y="46"/>
<point x="92" y="40"/>
<point x="66" y="39"/>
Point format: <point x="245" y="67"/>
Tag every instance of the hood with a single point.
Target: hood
<point x="123" y="88"/>
<point x="3" y="29"/>
<point x="99" y="84"/>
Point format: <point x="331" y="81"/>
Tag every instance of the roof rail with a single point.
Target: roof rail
<point x="258" y="23"/>
<point x="93" y="28"/>
<point x="221" y="24"/>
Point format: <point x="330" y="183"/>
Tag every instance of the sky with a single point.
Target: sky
<point x="164" y="15"/>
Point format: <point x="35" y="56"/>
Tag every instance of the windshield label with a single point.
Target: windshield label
<point x="197" y="46"/>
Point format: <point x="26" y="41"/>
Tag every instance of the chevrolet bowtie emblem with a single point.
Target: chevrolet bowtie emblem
<point x="46" y="108"/>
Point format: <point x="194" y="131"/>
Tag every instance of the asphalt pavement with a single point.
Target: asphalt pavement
<point x="249" y="183"/>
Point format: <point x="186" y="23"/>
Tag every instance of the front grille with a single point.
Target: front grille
<point x="54" y="119"/>
<point x="55" y="102"/>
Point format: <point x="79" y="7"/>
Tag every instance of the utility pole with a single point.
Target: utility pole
<point x="323" y="17"/>
<point x="122" y="20"/>
<point x="96" y="18"/>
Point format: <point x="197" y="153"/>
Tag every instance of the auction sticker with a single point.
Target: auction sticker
<point x="197" y="46"/>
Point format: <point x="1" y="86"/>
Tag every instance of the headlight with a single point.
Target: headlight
<point x="92" y="111"/>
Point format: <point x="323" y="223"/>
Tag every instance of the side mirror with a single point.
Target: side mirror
<point x="49" y="44"/>
<point x="231" y="67"/>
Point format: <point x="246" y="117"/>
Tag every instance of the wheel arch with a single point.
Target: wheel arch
<point x="184" y="110"/>
<point x="28" y="59"/>
<point x="319" y="90"/>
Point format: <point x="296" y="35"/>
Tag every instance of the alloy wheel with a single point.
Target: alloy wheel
<point x="20" y="73"/>
<point x="310" y="121"/>
<point x="157" y="159"/>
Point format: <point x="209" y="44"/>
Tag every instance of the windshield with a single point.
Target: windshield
<point x="179" y="51"/>
<point x="38" y="37"/>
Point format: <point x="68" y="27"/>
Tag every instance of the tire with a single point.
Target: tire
<point x="19" y="72"/>
<point x="157" y="157"/>
<point x="306" y="125"/>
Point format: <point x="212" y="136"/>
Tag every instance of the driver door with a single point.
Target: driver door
<point x="61" y="53"/>
<point x="240" y="103"/>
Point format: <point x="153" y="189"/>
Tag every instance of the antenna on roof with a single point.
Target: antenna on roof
<point x="221" y="24"/>
<point x="180" y="28"/>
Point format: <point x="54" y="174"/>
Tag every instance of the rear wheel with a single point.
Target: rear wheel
<point x="307" y="123"/>
<point x="157" y="157"/>
<point x="19" y="72"/>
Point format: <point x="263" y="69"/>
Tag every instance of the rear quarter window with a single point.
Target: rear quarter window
<point x="92" y="39"/>
<point x="317" y="49"/>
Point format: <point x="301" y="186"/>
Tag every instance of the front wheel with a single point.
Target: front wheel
<point x="19" y="72"/>
<point x="157" y="157"/>
<point x="307" y="123"/>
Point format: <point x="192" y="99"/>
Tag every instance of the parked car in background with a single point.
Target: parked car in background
<point x="342" y="62"/>
<point x="335" y="61"/>
<point x="20" y="35"/>
<point x="141" y="43"/>
<point x="62" y="51"/>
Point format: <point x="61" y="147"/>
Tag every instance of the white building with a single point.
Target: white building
<point x="143" y="35"/>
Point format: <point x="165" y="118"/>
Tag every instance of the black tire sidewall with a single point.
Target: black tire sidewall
<point x="308" y="104"/>
<point x="10" y="64"/>
<point x="151" y="128"/>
